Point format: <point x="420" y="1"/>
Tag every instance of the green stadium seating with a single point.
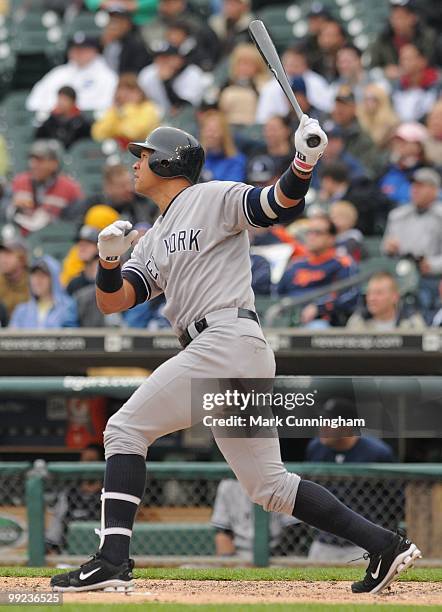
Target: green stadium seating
<point x="55" y="239"/>
<point x="86" y="22"/>
<point x="280" y="29"/>
<point x="184" y="539"/>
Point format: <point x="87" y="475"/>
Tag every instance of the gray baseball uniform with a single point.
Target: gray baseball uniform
<point x="197" y="253"/>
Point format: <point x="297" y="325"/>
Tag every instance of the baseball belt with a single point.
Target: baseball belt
<point x="185" y="339"/>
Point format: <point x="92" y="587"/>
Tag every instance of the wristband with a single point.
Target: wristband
<point x="292" y="186"/>
<point x="109" y="280"/>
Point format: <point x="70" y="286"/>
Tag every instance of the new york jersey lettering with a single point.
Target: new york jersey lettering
<point x="184" y="240"/>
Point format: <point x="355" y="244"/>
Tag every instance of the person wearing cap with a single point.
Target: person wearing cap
<point x="130" y="116"/>
<point x="404" y="26"/>
<point x="86" y="71"/>
<point x="418" y="87"/>
<point x="272" y="100"/>
<point x="142" y="11"/>
<point x="41" y="194"/>
<point x="14" y="277"/>
<point x="66" y="123"/>
<point x="346" y="445"/>
<point x="88" y="254"/>
<point x="357" y="142"/>
<point x="406" y="155"/>
<point x="317" y="17"/>
<point x="49" y="302"/>
<point x="383" y="311"/>
<point x="416" y="228"/>
<point x="331" y="38"/>
<point x="157" y="31"/>
<point x="123" y="46"/>
<point x="170" y="82"/>
<point x="231" y="25"/>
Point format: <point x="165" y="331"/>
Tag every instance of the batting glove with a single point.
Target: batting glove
<point x="306" y="157"/>
<point x="113" y="240"/>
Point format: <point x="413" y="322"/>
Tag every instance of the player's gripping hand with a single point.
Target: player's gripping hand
<point x="306" y="157"/>
<point x="113" y="241"/>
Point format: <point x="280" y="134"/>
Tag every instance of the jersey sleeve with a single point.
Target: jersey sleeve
<point x="136" y="272"/>
<point x="246" y="206"/>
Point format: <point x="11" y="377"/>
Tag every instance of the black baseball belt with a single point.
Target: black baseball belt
<point x="185" y="338"/>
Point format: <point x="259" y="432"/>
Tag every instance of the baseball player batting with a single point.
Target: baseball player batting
<point x="197" y="254"/>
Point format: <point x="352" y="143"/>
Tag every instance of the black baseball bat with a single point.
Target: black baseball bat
<point x="265" y="46"/>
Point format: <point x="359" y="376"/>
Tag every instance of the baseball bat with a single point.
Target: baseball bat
<point x="265" y="46"/>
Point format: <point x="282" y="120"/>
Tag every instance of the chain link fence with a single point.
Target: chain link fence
<point x="176" y="518"/>
<point x="13" y="512"/>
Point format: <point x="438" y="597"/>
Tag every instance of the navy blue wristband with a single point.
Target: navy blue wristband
<point x="292" y="186"/>
<point x="109" y="280"/>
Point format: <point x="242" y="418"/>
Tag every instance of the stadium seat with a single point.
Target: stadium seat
<point x="86" y="22"/>
<point x="184" y="539"/>
<point x="372" y="246"/>
<point x="55" y="239"/>
<point x="281" y="30"/>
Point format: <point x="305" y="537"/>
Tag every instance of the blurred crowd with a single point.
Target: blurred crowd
<point x="375" y="195"/>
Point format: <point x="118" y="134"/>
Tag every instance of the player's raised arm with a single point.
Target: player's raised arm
<point x="294" y="183"/>
<point x="114" y="294"/>
<point x="284" y="201"/>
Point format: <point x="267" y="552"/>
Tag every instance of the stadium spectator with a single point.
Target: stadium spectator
<point x="248" y="73"/>
<point x="42" y="193"/>
<point x="180" y="34"/>
<point x="80" y="501"/>
<point x="130" y="117"/>
<point x="14" y="276"/>
<point x="358" y="143"/>
<point x="123" y="47"/>
<point x="97" y="217"/>
<point x="349" y="239"/>
<point x="223" y="162"/>
<point x="231" y="25"/>
<point x="86" y="71"/>
<point x="157" y="31"/>
<point x="317" y="17"/>
<point x="66" y="122"/>
<point x="351" y="71"/>
<point x="371" y="204"/>
<point x="49" y="302"/>
<point x="376" y="115"/>
<point x="344" y="445"/>
<point x="415" y="230"/>
<point x="274" y="155"/>
<point x="234" y="523"/>
<point x="383" y="311"/>
<point x="142" y="10"/>
<point x="406" y="155"/>
<point x="321" y="267"/>
<point x="417" y="88"/>
<point x="331" y="38"/>
<point x="433" y="142"/>
<point x="335" y="152"/>
<point x="272" y="100"/>
<point x="170" y="82"/>
<point x="404" y="26"/>
<point x="436" y="317"/>
<point x="299" y="88"/>
<point x="118" y="193"/>
<point x="87" y="252"/>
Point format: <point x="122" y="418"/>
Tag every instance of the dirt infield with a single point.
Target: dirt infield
<point x="241" y="592"/>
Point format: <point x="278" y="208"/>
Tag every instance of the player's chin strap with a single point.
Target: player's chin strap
<point x="103" y="531"/>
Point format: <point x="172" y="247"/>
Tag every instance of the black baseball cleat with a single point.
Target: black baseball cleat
<point x="96" y="574"/>
<point x="386" y="566"/>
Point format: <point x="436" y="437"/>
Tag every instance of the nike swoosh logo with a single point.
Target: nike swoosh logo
<point x="84" y="576"/>
<point x="376" y="573"/>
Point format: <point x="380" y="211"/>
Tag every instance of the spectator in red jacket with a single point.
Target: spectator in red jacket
<point x="42" y="193"/>
<point x="322" y="267"/>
